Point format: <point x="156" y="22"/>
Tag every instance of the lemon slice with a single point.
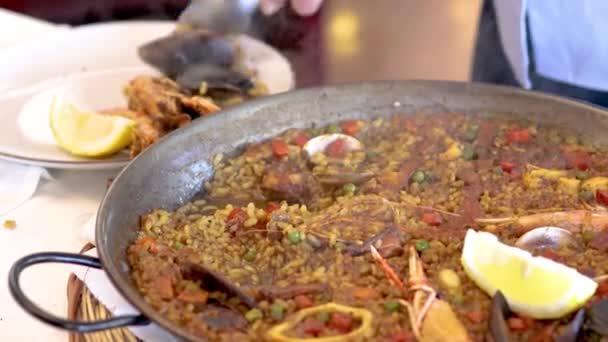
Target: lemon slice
<point x="536" y="287"/>
<point x="88" y="134"/>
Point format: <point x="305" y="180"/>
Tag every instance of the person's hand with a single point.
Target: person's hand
<point x="301" y="7"/>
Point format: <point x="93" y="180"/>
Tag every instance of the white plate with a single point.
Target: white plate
<point x="64" y="62"/>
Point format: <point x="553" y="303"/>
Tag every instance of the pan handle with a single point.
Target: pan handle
<point x="45" y="316"/>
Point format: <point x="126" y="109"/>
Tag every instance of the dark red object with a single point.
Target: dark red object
<point x="521" y="135"/>
<point x="409" y="125"/>
<point x="580" y="160"/>
<point x="401" y="336"/>
<point x="432" y="218"/>
<point x="602" y="197"/>
<point x="341" y="322"/>
<point x="312" y="326"/>
<point x="236" y="218"/>
<point x="602" y="289"/>
<point x="272" y="207"/>
<point x="300" y="139"/>
<point x="520" y="323"/>
<point x="336" y="149"/>
<point x="507" y="166"/>
<point x="351" y="127"/>
<point x="600" y="241"/>
<point x="475" y="316"/>
<point x="279" y="148"/>
<point x="549" y="254"/>
<point x="303" y="301"/>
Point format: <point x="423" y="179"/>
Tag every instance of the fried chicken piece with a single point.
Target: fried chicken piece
<point x="147" y="131"/>
<point x="165" y="102"/>
<point x="157" y="98"/>
<point x="200" y="105"/>
<point x="158" y="106"/>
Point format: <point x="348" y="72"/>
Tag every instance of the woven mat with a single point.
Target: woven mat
<point x="83" y="306"/>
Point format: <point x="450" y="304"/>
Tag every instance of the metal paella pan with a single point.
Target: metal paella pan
<point x="179" y="169"/>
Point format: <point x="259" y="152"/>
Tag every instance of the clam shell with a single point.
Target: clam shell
<point x="547" y="238"/>
<point x="320" y="143"/>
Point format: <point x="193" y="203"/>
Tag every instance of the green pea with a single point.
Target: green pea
<point x="277" y="310"/>
<point x="250" y="255"/>
<point x="430" y="176"/>
<point x="587" y="195"/>
<point x="582" y="175"/>
<point x="349" y="188"/>
<point x="470" y="132"/>
<point x="333" y="128"/>
<point x="392" y="306"/>
<point x="458" y="299"/>
<point x="178" y="245"/>
<point x="294" y="236"/>
<point x="340" y="246"/>
<point x="323" y="317"/>
<point x="371" y="154"/>
<point x="468" y="152"/>
<point x="418" y="176"/>
<point x="421" y="245"/>
<point x="253" y="315"/>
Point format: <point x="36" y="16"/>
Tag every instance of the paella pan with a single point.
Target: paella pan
<point x="386" y="211"/>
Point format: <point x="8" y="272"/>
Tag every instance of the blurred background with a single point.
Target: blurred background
<point x="348" y="40"/>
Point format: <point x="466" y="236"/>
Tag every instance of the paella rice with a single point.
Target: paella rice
<point x="327" y="243"/>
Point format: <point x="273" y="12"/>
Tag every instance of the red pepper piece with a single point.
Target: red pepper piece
<point x="303" y="301"/>
<point x="401" y="336"/>
<point x="279" y="148"/>
<point x="312" y="326"/>
<point x="341" y="322"/>
<point x="236" y="218"/>
<point x="432" y="218"/>
<point x="602" y="197"/>
<point x="300" y="139"/>
<point x="580" y="160"/>
<point x="507" y="166"/>
<point x="272" y="207"/>
<point x="336" y="149"/>
<point x="521" y="135"/>
<point x="351" y="127"/>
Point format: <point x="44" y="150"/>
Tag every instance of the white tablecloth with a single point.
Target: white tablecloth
<point x="50" y="221"/>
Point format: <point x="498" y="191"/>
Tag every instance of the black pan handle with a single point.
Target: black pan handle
<point x="45" y="316"/>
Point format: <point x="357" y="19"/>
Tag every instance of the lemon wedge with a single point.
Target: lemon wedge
<point x="536" y="287"/>
<point x="88" y="134"/>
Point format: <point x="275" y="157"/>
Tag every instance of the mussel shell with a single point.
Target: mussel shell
<point x="216" y="77"/>
<point x="548" y="238"/>
<point x="176" y="53"/>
